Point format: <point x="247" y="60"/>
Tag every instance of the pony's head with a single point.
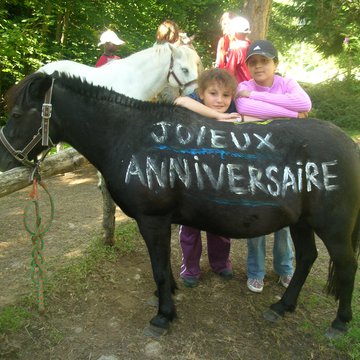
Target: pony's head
<point x="21" y="137"/>
<point x="185" y="68"/>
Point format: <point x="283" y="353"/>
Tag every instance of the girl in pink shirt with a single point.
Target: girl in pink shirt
<point x="268" y="96"/>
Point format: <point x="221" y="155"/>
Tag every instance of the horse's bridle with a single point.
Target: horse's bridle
<point x="43" y="132"/>
<point x="172" y="73"/>
<point x="42" y="135"/>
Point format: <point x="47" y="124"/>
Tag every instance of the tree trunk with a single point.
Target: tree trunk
<point x="62" y="162"/>
<point x="258" y="14"/>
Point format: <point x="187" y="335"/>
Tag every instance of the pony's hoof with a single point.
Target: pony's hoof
<point x="154" y="331"/>
<point x="271" y="315"/>
<point x="333" y="334"/>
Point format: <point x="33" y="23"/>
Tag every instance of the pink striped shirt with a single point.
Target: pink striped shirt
<point x="285" y="98"/>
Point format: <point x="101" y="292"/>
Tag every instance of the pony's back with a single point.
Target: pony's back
<point x="67" y="67"/>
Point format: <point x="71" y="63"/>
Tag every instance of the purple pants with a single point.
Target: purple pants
<point x="218" y="252"/>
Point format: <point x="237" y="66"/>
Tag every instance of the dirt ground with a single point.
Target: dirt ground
<point x="105" y="319"/>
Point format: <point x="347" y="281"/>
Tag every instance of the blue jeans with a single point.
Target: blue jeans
<point x="283" y="255"/>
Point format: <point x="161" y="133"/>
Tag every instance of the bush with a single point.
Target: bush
<point x="336" y="101"/>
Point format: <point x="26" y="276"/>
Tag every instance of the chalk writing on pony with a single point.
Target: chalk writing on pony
<point x="164" y="164"/>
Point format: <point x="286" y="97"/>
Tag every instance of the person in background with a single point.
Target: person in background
<point x="223" y="43"/>
<point x="213" y="98"/>
<point x="268" y="95"/>
<point x="168" y="31"/>
<point x="111" y="43"/>
<point x="234" y="60"/>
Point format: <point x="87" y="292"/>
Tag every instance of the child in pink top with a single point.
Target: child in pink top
<point x="268" y="96"/>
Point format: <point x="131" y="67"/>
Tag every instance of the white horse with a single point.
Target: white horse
<point x="162" y="69"/>
<point x="142" y="75"/>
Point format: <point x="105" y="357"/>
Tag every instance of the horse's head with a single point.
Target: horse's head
<point x="186" y="68"/>
<point x="21" y="137"/>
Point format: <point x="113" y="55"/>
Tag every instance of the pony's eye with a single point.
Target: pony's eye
<point x="16" y="112"/>
<point x="16" y="115"/>
<point x="185" y="71"/>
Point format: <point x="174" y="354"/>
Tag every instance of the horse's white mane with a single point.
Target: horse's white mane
<point x="141" y="75"/>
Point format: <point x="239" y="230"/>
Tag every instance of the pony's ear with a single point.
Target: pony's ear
<point x="55" y="75"/>
<point x="40" y="85"/>
<point x="172" y="47"/>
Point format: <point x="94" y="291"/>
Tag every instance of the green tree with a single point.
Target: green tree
<point x="332" y="26"/>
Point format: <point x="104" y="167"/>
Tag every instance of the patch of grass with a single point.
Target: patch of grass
<point x="55" y="336"/>
<point x="350" y="343"/>
<point x="126" y="237"/>
<point x="75" y="275"/>
<point x="96" y="253"/>
<point x="12" y="318"/>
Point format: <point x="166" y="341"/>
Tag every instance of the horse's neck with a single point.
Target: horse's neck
<point x="92" y="133"/>
<point x="68" y="67"/>
<point x="141" y="76"/>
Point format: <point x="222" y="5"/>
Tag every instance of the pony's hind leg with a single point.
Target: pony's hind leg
<point x="156" y="231"/>
<point x="109" y="207"/>
<point x="305" y="254"/>
<point x="343" y="265"/>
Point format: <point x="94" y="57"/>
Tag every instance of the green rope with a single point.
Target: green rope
<point x="37" y="233"/>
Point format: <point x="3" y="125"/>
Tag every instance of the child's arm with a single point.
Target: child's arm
<point x="201" y="109"/>
<point x="262" y="110"/>
<point x="293" y="98"/>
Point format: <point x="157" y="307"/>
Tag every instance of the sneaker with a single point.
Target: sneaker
<point x="255" y="285"/>
<point x="190" y="282"/>
<point x="226" y="274"/>
<point x="285" y="280"/>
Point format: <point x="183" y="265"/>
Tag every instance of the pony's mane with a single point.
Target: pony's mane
<point x="19" y="89"/>
<point x="99" y="93"/>
<point x="158" y="50"/>
<point x="81" y="87"/>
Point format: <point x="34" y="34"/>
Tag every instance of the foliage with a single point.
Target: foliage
<point x="12" y="318"/>
<point x="337" y="101"/>
<point x="35" y="32"/>
<point x="332" y="26"/>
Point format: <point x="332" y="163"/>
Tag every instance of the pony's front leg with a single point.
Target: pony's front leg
<point x="156" y="231"/>
<point x="305" y="255"/>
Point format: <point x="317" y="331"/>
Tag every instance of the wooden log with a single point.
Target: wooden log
<point x="59" y="163"/>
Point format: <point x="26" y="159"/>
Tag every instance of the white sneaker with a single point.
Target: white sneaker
<point x="285" y="280"/>
<point x="255" y="285"/>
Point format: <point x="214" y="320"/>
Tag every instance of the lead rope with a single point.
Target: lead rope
<point x="38" y="273"/>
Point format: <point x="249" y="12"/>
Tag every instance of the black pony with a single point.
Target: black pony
<point x="164" y="164"/>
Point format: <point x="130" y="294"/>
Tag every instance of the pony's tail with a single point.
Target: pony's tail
<point x="356" y="237"/>
<point x="332" y="287"/>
